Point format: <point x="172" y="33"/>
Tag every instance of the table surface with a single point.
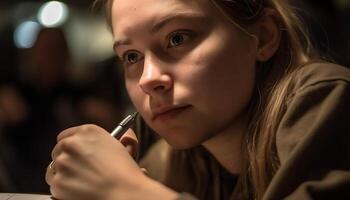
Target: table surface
<point x="16" y="196"/>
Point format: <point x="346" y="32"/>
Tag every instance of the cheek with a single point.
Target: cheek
<point x="223" y="74"/>
<point x="223" y="60"/>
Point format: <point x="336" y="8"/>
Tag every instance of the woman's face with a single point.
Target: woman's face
<point x="188" y="70"/>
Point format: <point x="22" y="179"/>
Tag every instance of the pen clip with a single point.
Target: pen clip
<point x="128" y="119"/>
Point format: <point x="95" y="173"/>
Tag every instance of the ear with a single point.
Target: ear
<point x="269" y="35"/>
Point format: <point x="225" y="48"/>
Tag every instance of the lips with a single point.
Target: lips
<point x="167" y="111"/>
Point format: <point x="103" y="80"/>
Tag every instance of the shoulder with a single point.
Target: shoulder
<point x="312" y="138"/>
<point x="318" y="107"/>
<point x="317" y="89"/>
<point x="320" y="73"/>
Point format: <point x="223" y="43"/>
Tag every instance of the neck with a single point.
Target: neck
<point x="226" y="146"/>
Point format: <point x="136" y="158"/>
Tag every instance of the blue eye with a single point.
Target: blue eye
<point x="177" y="39"/>
<point x="131" y="57"/>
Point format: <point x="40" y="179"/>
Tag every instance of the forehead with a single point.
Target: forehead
<point x="130" y="14"/>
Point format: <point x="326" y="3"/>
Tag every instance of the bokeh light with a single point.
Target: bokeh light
<point x="26" y="34"/>
<point x="53" y="14"/>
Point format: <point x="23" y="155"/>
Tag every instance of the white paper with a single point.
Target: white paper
<point x="11" y="196"/>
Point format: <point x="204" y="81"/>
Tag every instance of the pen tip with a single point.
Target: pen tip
<point x="135" y="114"/>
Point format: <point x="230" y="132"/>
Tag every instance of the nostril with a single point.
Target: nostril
<point x="159" y="87"/>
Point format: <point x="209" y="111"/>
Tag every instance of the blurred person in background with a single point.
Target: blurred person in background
<point x="42" y="102"/>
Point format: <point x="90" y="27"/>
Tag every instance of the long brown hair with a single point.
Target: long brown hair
<point x="271" y="91"/>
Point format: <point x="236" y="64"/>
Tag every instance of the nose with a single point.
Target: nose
<point x="154" y="79"/>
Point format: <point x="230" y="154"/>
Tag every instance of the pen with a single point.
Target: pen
<point x="124" y="125"/>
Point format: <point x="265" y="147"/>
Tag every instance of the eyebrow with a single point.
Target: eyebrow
<point x="161" y="23"/>
<point x="121" y="42"/>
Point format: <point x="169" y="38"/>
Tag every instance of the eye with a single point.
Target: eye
<point x="131" y="57"/>
<point x="178" y="38"/>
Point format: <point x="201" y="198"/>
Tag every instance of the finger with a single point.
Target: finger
<point x="62" y="135"/>
<point x="56" y="151"/>
<point x="67" y="132"/>
<point x="66" y="144"/>
<point x="54" y="190"/>
<point x="63" y="138"/>
<point x="49" y="173"/>
<point x="130" y="141"/>
<point x="86" y="128"/>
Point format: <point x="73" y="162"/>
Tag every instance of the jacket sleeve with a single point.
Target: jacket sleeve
<point x="313" y="144"/>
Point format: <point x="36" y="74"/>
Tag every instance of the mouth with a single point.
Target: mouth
<point x="167" y="112"/>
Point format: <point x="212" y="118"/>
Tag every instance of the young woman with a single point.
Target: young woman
<point x="246" y="109"/>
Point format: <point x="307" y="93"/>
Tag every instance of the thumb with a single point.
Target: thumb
<point x="129" y="140"/>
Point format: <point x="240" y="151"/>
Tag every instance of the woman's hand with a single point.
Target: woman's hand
<point x="90" y="164"/>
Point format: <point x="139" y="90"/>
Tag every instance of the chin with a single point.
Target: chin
<point x="182" y="137"/>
